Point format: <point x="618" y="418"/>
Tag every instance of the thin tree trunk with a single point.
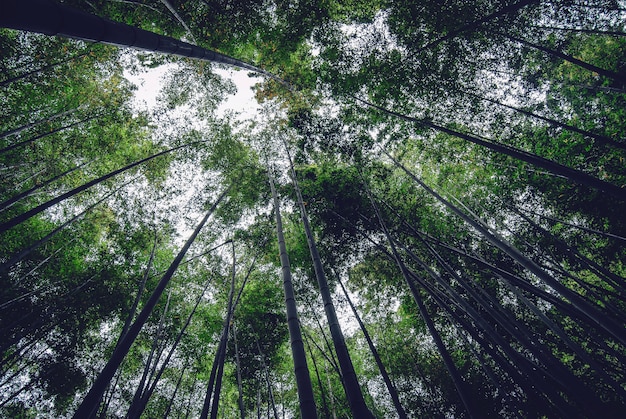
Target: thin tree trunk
<point x="447" y="359"/>
<point x="145" y="397"/>
<point x="45" y="134"/>
<point x="620" y="78"/>
<point x="576" y="176"/>
<point x="603" y="139"/>
<point x="472" y="26"/>
<point x="582" y="305"/>
<point x="330" y="357"/>
<point x="34" y="211"/>
<point x="583" y="228"/>
<point x="301" y="370"/>
<point x="42" y="69"/>
<point x="142" y="386"/>
<point x="91" y="400"/>
<point x="227" y="326"/>
<point x="171" y="402"/>
<point x="266" y="372"/>
<point x="9" y="202"/>
<point x="353" y="389"/>
<point x="242" y="410"/>
<point x="140" y="290"/>
<point x="319" y="379"/>
<point x="27" y="250"/>
<point x="381" y="367"/>
<point x="579" y="30"/>
<point x="37" y="122"/>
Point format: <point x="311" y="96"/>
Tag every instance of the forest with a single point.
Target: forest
<point x="424" y="219"/>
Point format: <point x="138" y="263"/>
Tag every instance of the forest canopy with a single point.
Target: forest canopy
<point x="424" y="219"/>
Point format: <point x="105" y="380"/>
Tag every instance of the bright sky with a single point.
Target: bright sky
<point x="149" y="85"/>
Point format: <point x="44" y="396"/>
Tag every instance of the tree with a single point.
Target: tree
<point x="462" y="175"/>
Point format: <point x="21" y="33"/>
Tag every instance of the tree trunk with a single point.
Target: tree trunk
<point x="619" y="78"/>
<point x="353" y="389"/>
<point x="26" y="251"/>
<point x="15" y="198"/>
<point x="242" y="410"/>
<point x="553" y="167"/>
<point x="381" y="367"/>
<point x="301" y="370"/>
<point x="145" y="397"/>
<point x="51" y="18"/>
<point x="45" y="134"/>
<point x="577" y="301"/>
<point x="171" y="402"/>
<point x="33" y="124"/>
<point x="603" y="139"/>
<point x="227" y="325"/>
<point x="39" y="70"/>
<point x="91" y="400"/>
<point x="443" y="351"/>
<point x="34" y="211"/>
<point x="471" y="26"/>
<point x="143" y="382"/>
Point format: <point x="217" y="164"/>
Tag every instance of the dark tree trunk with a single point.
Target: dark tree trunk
<point x="553" y="167"/>
<point x="39" y="70"/>
<point x="91" y="400"/>
<point x="33" y="124"/>
<point x="45" y="134"/>
<point x="381" y="367"/>
<point x="443" y="351"/>
<point x="619" y="78"/>
<point x="51" y="18"/>
<point x="145" y="397"/>
<point x="34" y="211"/>
<point x="27" y="250"/>
<point x="242" y="410"/>
<point x="15" y="198"/>
<point x="472" y="26"/>
<point x="603" y="139"/>
<point x="353" y="389"/>
<point x="301" y="370"/>
<point x="227" y="326"/>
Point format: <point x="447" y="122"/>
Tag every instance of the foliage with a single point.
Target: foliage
<point x="519" y="268"/>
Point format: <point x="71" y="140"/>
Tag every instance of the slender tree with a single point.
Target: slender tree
<point x="92" y="399"/>
<point x="308" y="409"/>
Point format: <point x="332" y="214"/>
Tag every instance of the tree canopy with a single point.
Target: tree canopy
<point x="425" y="217"/>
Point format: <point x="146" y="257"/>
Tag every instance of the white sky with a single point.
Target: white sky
<point x="149" y="85"/>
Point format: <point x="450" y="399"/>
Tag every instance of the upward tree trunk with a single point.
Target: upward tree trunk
<point x="353" y="389"/>
<point x="45" y="134"/>
<point x="620" y="78"/>
<point x="145" y="397"/>
<point x="468" y="27"/>
<point x="603" y="139"/>
<point x="51" y="18"/>
<point x="144" y="381"/>
<point x="30" y="73"/>
<point x="91" y="400"/>
<point x="301" y="370"/>
<point x="242" y="410"/>
<point x="443" y="351"/>
<point x="33" y="124"/>
<point x="585" y="308"/>
<point x="381" y="367"/>
<point x="34" y="211"/>
<point x="227" y="325"/>
<point x="553" y="167"/>
<point x="15" y="198"/>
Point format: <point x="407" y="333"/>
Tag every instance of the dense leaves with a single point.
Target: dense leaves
<point x="461" y="165"/>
